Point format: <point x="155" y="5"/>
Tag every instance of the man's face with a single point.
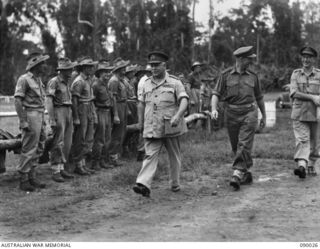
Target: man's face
<point x="66" y="74"/>
<point x="42" y="68"/>
<point x="246" y="62"/>
<point x="88" y="70"/>
<point x="197" y="69"/>
<point x="307" y="61"/>
<point x="104" y="75"/>
<point x="158" y="69"/>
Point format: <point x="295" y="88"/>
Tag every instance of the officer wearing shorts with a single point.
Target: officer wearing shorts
<point x="305" y="93"/>
<point x="162" y="104"/>
<point x="240" y="88"/>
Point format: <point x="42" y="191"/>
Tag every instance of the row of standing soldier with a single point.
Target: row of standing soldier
<point x="88" y="115"/>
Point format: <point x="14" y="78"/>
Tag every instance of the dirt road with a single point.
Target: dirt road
<point x="277" y="207"/>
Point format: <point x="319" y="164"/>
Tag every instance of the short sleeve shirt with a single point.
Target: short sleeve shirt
<point x="103" y="97"/>
<point x="304" y="110"/>
<point x="118" y="88"/>
<point x="161" y="100"/>
<point x="238" y="89"/>
<point x="31" y="90"/>
<point x="82" y="88"/>
<point x="59" y="90"/>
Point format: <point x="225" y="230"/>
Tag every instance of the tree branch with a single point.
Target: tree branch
<point x="83" y="21"/>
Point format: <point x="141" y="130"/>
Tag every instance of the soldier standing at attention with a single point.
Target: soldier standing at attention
<point x="84" y="115"/>
<point x="119" y="89"/>
<point x="29" y="103"/>
<point x="162" y="104"/>
<point x="240" y="88"/>
<point x="194" y="79"/>
<point x="305" y="92"/>
<point x="105" y="105"/>
<point x="59" y="105"/>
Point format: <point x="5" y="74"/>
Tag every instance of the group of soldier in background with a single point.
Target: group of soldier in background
<point x="92" y="111"/>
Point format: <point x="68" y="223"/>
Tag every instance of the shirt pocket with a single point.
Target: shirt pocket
<point x="35" y="89"/>
<point x="167" y="96"/>
<point x="232" y="87"/>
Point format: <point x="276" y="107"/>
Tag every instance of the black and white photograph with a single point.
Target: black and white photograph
<point x="159" y="121"/>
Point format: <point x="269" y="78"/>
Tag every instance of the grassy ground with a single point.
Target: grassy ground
<point x="204" y="156"/>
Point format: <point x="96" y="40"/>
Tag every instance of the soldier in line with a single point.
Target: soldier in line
<point x="106" y="105"/>
<point x="240" y="88"/>
<point x="59" y="105"/>
<point x="162" y="104"/>
<point x="118" y="87"/>
<point x="30" y="104"/>
<point x="84" y="115"/>
<point x="194" y="79"/>
<point x="305" y="92"/>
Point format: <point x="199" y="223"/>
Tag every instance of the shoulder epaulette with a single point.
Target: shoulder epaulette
<point x="299" y="70"/>
<point x="317" y="69"/>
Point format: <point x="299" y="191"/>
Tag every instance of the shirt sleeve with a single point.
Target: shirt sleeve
<point x="113" y="86"/>
<point x="21" y="87"/>
<point x="293" y="84"/>
<point x="51" y="87"/>
<point x="220" y="87"/>
<point x="76" y="88"/>
<point x="140" y="91"/>
<point x="180" y="91"/>
<point x="257" y="89"/>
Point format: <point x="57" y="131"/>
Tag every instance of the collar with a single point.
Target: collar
<point x="234" y="71"/>
<point x="165" y="79"/>
<point x="313" y="71"/>
<point x="61" y="79"/>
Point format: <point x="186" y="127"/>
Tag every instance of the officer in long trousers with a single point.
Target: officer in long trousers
<point x="30" y="104"/>
<point x="162" y="104"/>
<point x="59" y="105"/>
<point x="240" y="88"/>
<point x="106" y="108"/>
<point x="305" y="92"/>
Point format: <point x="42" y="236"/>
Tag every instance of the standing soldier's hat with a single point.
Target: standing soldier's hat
<point x="103" y="66"/>
<point x="196" y="64"/>
<point x="244" y="52"/>
<point x="143" y="70"/>
<point x="308" y="51"/>
<point x="65" y="64"/>
<point x="86" y="61"/>
<point x="36" y="58"/>
<point x="131" y="68"/>
<point x="155" y="57"/>
<point x="119" y="63"/>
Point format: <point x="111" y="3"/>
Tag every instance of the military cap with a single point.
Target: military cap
<point x="308" y="51"/>
<point x="36" y="58"/>
<point x="65" y="63"/>
<point x="244" y="52"/>
<point x="157" y="57"/>
<point x="195" y="64"/>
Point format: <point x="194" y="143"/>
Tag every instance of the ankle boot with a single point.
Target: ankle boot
<point x="24" y="183"/>
<point x="95" y="166"/>
<point x="34" y="181"/>
<point x="114" y="160"/>
<point x="80" y="170"/>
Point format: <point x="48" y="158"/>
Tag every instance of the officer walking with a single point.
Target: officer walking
<point x="29" y="103"/>
<point x="162" y="103"/>
<point x="305" y="92"/>
<point x="60" y="118"/>
<point x="105" y="105"/>
<point x="240" y="88"/>
<point x="84" y="115"/>
<point x="117" y="86"/>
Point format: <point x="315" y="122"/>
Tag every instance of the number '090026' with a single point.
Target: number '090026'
<point x="309" y="245"/>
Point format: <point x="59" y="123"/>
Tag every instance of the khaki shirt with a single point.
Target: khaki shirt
<point x="59" y="90"/>
<point x="118" y="88"/>
<point x="161" y="100"/>
<point x="31" y="90"/>
<point x="82" y="88"/>
<point x="238" y="89"/>
<point x="103" y="97"/>
<point x="304" y="110"/>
